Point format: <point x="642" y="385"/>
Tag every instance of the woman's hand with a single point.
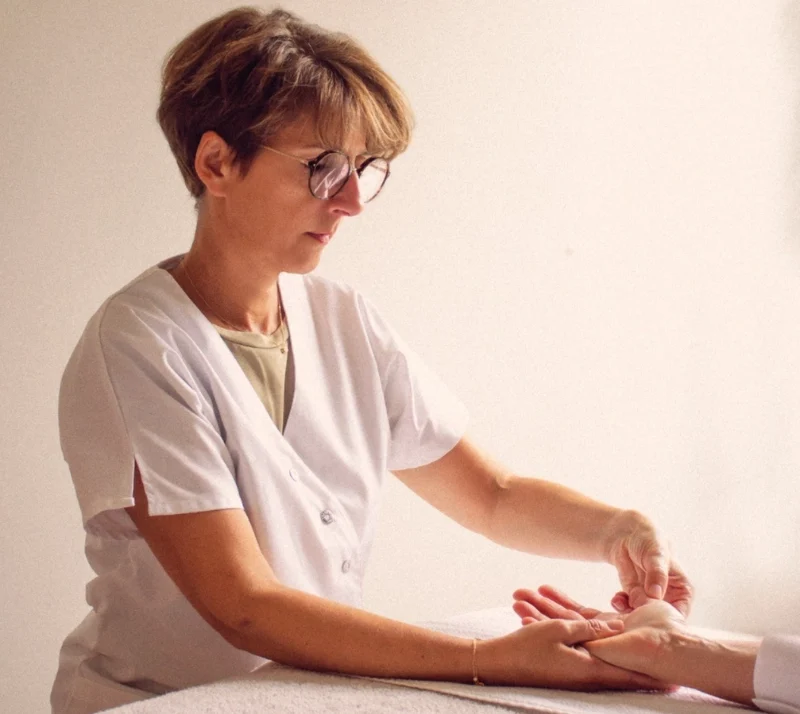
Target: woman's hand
<point x="646" y="570"/>
<point x="647" y="630"/>
<point x="552" y="653"/>
<point x="656" y="642"/>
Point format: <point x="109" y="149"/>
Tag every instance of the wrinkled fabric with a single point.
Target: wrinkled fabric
<point x="151" y="382"/>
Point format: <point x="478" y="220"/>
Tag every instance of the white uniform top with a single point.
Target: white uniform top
<point x="151" y="381"/>
<point x="777" y="675"/>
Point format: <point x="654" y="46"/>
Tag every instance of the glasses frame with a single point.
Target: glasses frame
<point x="312" y="164"/>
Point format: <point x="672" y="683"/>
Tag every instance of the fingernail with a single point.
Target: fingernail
<point x="616" y="624"/>
<point x="656" y="592"/>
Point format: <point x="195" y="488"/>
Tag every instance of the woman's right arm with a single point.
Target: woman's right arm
<point x="214" y="559"/>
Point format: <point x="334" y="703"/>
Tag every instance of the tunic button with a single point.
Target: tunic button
<point x="293" y="474"/>
<point x="346" y="567"/>
<point x="326" y="516"/>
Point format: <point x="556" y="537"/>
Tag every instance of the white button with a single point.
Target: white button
<point x="346" y="566"/>
<point x="293" y="474"/>
<point x="326" y="516"/>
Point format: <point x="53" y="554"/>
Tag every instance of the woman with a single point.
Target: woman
<point x="228" y="418"/>
<point x="657" y="642"/>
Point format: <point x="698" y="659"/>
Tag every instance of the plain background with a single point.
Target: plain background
<point x="593" y="239"/>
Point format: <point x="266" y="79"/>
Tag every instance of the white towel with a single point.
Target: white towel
<point x="485" y="624"/>
<point x="277" y="688"/>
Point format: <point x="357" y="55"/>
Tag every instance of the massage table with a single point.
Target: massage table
<point x="278" y="688"/>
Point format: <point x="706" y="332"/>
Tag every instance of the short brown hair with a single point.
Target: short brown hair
<point x="246" y="74"/>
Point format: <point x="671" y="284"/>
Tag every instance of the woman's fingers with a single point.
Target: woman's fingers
<point x="607" y="676"/>
<point x="589" y="671"/>
<point x="553" y="653"/>
<point x="655" y="563"/>
<point x="579" y="631"/>
<point x="621" y="603"/>
<point x="679" y="590"/>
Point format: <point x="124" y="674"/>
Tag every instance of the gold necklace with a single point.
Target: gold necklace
<point x="228" y="324"/>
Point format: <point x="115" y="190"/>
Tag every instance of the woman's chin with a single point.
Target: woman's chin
<point x="304" y="266"/>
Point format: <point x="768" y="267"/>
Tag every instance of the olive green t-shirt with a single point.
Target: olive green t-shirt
<point x="267" y="362"/>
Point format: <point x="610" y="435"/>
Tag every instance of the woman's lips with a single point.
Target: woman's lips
<point x="323" y="238"/>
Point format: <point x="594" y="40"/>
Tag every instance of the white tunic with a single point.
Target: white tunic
<point x="777" y="675"/>
<point x="152" y="382"/>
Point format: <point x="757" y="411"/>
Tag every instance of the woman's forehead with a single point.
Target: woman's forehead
<point x="305" y="131"/>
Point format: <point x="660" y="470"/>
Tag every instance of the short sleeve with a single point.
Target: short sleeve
<point x="776" y="675"/>
<point x="128" y="395"/>
<point x="425" y="419"/>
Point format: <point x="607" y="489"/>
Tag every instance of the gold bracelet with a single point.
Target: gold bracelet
<point x="475" y="679"/>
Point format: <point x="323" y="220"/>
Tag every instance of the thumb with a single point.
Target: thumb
<point x="655" y="573"/>
<point x="577" y="631"/>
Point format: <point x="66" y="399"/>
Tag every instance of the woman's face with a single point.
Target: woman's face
<point x="270" y="217"/>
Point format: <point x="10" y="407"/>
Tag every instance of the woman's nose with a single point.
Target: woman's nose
<point x="348" y="200"/>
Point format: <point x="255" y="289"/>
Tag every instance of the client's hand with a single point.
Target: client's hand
<point x="656" y="642"/>
<point x="552" y="653"/>
<point x="648" y="629"/>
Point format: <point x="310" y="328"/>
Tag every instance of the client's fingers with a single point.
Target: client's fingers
<point x="557" y="596"/>
<point x="522" y="593"/>
<point x="553" y="609"/>
<point x="526" y="609"/>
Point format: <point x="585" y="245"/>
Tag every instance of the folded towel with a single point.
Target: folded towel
<point x="496" y="622"/>
<point x="277" y="688"/>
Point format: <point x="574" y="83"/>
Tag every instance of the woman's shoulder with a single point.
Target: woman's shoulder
<point x="150" y="303"/>
<point x="346" y="309"/>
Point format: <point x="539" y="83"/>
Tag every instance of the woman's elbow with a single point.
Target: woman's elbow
<point x="241" y="619"/>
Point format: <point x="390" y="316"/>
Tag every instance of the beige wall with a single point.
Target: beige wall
<point x="593" y="239"/>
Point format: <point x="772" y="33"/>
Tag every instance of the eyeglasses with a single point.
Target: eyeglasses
<point x="331" y="170"/>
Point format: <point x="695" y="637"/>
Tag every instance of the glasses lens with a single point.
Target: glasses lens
<point x="333" y="170"/>
<point x="372" y="177"/>
<point x="329" y="175"/>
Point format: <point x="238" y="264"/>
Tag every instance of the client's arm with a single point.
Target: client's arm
<point x="658" y="643"/>
<point x="678" y="656"/>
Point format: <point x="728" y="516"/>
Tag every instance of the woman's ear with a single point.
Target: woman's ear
<point x="213" y="163"/>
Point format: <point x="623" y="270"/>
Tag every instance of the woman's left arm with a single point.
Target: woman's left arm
<point x="545" y="518"/>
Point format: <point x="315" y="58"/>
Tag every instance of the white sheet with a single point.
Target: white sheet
<point x="275" y="688"/>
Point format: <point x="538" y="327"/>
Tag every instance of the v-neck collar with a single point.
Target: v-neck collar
<point x="294" y="312"/>
<point x="302" y="333"/>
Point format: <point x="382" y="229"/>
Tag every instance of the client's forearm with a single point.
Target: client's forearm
<point x="722" y="668"/>
<point x="674" y="655"/>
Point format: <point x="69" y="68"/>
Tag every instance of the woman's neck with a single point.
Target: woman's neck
<point x="231" y="291"/>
